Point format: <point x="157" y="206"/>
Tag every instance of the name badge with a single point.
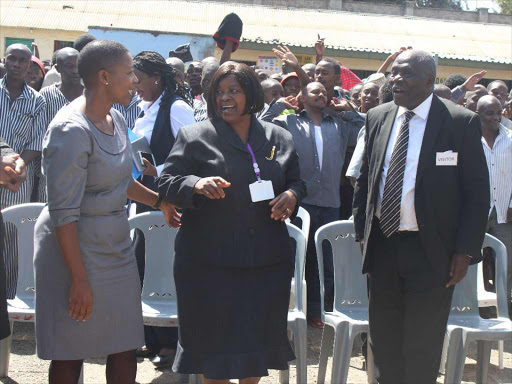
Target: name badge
<point x="261" y="190"/>
<point x="448" y="158"/>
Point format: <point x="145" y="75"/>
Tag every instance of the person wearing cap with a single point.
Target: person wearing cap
<point x="35" y="74"/>
<point x="291" y="84"/>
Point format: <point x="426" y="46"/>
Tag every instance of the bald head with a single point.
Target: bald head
<point x="489" y="109"/>
<point x="22" y="48"/>
<point x="64" y="54"/>
<point x="272" y="90"/>
<point x="473" y="97"/>
<point x="443" y="91"/>
<point x="310" y="70"/>
<point x="422" y="60"/>
<point x="176" y="63"/>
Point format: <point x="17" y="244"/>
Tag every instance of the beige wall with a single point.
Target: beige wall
<point x="43" y="37"/>
<point x="373" y="65"/>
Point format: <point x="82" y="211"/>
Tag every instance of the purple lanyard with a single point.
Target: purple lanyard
<point x="254" y="163"/>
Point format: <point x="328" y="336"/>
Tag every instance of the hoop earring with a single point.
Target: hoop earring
<point x="156" y="82"/>
<point x="106" y="83"/>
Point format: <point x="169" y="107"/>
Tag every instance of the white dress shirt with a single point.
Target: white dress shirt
<point x="416" y="132"/>
<point x="506" y="122"/>
<point x="319" y="141"/>
<point x="354" y="168"/>
<point x="499" y="164"/>
<point x="181" y="114"/>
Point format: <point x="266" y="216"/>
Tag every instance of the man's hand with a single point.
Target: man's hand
<point x="150" y="169"/>
<point x="340" y="105"/>
<point x="172" y="217"/>
<point x="458" y="269"/>
<point x="469" y="84"/>
<point x="7" y="163"/>
<point x="290" y="102"/>
<point x="16" y="172"/>
<point x="286" y="56"/>
<point x="320" y="46"/>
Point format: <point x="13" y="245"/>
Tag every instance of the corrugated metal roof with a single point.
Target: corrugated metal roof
<point x="295" y="27"/>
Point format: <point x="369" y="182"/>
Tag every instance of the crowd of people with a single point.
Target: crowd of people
<point x="235" y="152"/>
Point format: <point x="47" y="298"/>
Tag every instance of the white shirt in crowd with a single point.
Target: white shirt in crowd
<point x="506" y="122"/>
<point x="52" y="77"/>
<point x="499" y="163"/>
<point x="416" y="131"/>
<point x="354" y="168"/>
<point x="181" y="114"/>
<point x="319" y="140"/>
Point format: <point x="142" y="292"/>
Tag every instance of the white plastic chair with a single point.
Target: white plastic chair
<point x="350" y="314"/>
<point x="466" y="325"/>
<point x="297" y="324"/>
<point x="488" y="299"/>
<point x="305" y="219"/>
<point x="21" y="308"/>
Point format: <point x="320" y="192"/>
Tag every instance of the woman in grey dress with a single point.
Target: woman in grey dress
<point x="87" y="284"/>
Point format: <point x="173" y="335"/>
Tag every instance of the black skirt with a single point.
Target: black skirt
<point x="5" y="329"/>
<point x="233" y="321"/>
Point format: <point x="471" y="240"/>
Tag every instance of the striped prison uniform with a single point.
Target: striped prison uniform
<point x="22" y="128"/>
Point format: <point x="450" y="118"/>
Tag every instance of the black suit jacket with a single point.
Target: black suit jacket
<point x="233" y="231"/>
<point x="451" y="202"/>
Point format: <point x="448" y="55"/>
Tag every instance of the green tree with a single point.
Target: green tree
<point x="505" y="5"/>
<point x="450" y="4"/>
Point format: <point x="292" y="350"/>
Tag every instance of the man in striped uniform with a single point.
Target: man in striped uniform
<point x="58" y="95"/>
<point x="497" y="145"/>
<point x="22" y="127"/>
<point x="130" y="112"/>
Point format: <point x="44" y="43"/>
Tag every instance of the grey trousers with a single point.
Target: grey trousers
<point x="503" y="232"/>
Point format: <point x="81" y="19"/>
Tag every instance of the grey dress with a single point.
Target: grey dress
<point x="88" y="174"/>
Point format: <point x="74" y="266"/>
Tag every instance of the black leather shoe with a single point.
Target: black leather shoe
<point x="144" y="353"/>
<point x="161" y="361"/>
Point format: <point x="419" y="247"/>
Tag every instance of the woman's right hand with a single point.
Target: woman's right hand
<point x="212" y="187"/>
<point x="80" y="300"/>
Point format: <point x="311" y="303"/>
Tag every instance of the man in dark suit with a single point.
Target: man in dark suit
<point x="420" y="211"/>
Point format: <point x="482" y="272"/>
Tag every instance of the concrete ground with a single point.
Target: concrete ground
<point x="26" y="368"/>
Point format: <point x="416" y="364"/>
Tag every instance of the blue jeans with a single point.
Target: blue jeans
<point x="319" y="217"/>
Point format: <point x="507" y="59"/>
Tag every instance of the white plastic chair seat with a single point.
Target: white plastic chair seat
<point x="356" y="317"/>
<point x="160" y="314"/>
<point x="487" y="329"/>
<point x="21" y="309"/>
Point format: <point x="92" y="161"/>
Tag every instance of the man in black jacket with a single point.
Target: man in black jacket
<point x="420" y="211"/>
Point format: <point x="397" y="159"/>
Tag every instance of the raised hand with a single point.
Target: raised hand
<point x="320" y="46"/>
<point x="290" y="102"/>
<point x="469" y="84"/>
<point x="286" y="56"/>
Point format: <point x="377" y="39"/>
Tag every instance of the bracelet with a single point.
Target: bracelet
<point x="158" y="203"/>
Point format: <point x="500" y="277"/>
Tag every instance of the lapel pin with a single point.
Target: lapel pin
<point x="271" y="154"/>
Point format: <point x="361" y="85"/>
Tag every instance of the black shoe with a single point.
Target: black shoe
<point x="161" y="361"/>
<point x="144" y="353"/>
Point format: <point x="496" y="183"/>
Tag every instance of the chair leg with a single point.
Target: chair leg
<point x="371" y="368"/>
<point x="483" y="350"/>
<point x="443" y="353"/>
<point x="284" y="376"/>
<point x="457" y="349"/>
<point x="500" y="354"/>
<point x="342" y="353"/>
<point x="5" y="353"/>
<point x="301" y="346"/>
<point x="195" y="379"/>
<point x="81" y="378"/>
<point x="326" y="347"/>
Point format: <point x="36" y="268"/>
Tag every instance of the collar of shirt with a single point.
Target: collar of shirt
<point x="421" y="110"/>
<point x="325" y="116"/>
<point x="135" y="100"/>
<point x="503" y="132"/>
<point x="26" y="89"/>
<point x="150" y="108"/>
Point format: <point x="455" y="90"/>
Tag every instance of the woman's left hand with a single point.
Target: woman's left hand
<point x="150" y="169"/>
<point x="283" y="206"/>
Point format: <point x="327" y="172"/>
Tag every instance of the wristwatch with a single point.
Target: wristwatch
<point x="158" y="203"/>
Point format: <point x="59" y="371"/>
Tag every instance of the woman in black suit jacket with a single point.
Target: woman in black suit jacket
<point x="12" y="174"/>
<point x="234" y="261"/>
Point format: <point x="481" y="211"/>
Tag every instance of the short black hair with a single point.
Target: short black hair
<point x="82" y="40"/>
<point x="248" y="81"/>
<point x="98" y="55"/>
<point x="335" y="64"/>
<point x="386" y="92"/>
<point x="489" y="86"/>
<point x="453" y="81"/>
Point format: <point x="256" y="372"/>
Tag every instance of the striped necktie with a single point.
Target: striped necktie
<point x="392" y="197"/>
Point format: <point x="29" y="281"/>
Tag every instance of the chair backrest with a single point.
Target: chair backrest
<point x="350" y="291"/>
<point x="159" y="270"/>
<point x="305" y="222"/>
<point x="24" y="218"/>
<point x="465" y="298"/>
<point x="300" y="257"/>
